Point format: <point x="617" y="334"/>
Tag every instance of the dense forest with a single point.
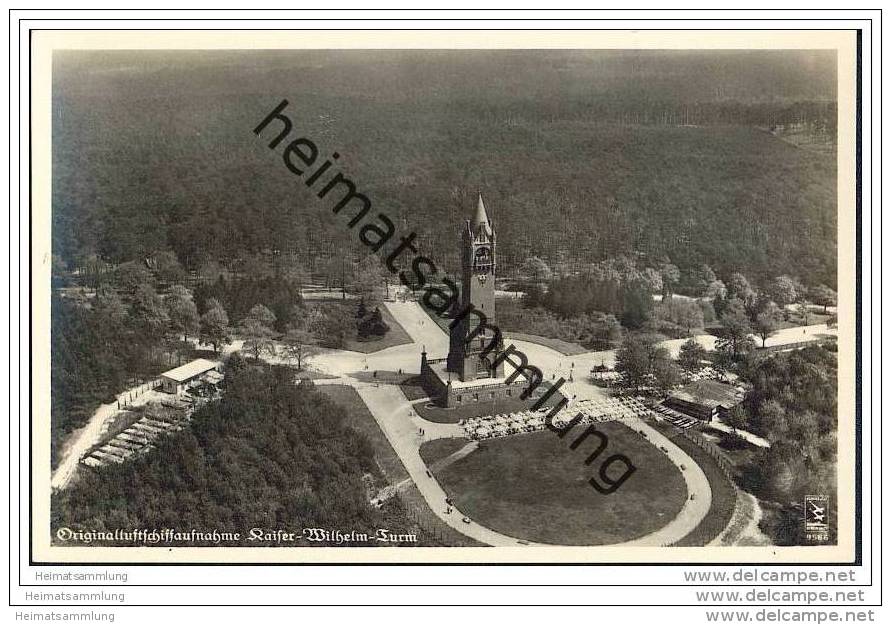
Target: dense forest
<point x="269" y="454"/>
<point x="127" y="325"/>
<point x="794" y="404"/>
<point x="581" y="156"/>
<point x="97" y="352"/>
<point x="133" y="323"/>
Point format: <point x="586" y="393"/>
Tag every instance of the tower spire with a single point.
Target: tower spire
<point x="481" y="218"/>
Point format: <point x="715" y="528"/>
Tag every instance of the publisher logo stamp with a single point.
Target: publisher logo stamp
<point x="816" y="518"/>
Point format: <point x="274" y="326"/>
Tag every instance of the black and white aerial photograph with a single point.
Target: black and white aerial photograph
<point x="574" y="301"/>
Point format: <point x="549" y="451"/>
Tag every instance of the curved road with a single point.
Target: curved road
<point x="401" y="425"/>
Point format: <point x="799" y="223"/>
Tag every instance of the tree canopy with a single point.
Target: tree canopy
<point x="269" y="454"/>
<point x="681" y="166"/>
<point x="793" y="403"/>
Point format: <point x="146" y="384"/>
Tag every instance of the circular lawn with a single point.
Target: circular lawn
<point x="534" y="487"/>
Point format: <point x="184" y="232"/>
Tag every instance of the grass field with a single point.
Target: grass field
<point x="534" y="487"/>
<point x="413" y="388"/>
<point x="564" y="347"/>
<point x="814" y="317"/>
<point x="442" y="321"/>
<point x="361" y="419"/>
<point x="736" y="451"/>
<point x="383" y="377"/>
<point x="396" y="336"/>
<point x="436" y="450"/>
<point x="311" y="374"/>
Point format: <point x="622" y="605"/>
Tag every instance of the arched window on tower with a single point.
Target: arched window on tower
<point x="482" y="260"/>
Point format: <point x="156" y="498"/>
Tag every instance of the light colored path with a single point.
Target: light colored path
<point x="323" y="293"/>
<point x="694" y="510"/>
<point x="455" y="456"/>
<point x="422" y="329"/>
<point x="743" y="530"/>
<point x="389" y="491"/>
<point x="815" y="308"/>
<point x="786" y="336"/>
<point x="748" y="436"/>
<point x="790" y="336"/>
<point x="89" y="435"/>
<point x="553" y="364"/>
<point x="401" y="426"/>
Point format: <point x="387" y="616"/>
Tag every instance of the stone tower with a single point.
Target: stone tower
<point x="477" y="290"/>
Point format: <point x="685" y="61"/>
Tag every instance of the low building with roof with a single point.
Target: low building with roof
<point x="705" y="399"/>
<point x="181" y="378"/>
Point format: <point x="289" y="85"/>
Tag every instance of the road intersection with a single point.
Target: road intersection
<point x="402" y="426"/>
<point x="406" y="431"/>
